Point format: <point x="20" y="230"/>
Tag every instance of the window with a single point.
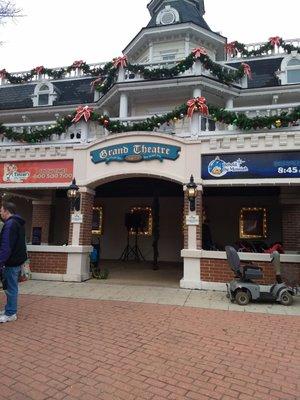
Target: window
<point x="293" y="71"/>
<point x="44" y="94"/>
<point x="290" y="69"/>
<point x="168" y="55"/>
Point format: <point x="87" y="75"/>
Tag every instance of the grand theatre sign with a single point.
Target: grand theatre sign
<point x="135" y="152"/>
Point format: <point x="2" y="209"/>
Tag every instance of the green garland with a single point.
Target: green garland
<point x="109" y="73"/>
<point x="264" y="49"/>
<point x="241" y="121"/>
<point x="223" y="74"/>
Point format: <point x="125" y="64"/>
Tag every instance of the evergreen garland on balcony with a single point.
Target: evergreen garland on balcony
<point x="238" y="47"/>
<point x="240" y="121"/>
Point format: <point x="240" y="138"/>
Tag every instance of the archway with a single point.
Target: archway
<point x="158" y="204"/>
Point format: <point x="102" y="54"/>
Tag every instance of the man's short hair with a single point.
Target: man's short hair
<point x="9" y="206"/>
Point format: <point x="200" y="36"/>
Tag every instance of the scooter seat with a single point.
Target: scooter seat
<point x="252" y="273"/>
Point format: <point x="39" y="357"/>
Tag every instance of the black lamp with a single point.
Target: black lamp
<point x="74" y="196"/>
<point x="192" y="193"/>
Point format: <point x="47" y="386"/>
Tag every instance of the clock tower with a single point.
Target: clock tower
<point x="168" y="12"/>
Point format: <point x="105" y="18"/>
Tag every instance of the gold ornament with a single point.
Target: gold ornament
<point x="278" y="123"/>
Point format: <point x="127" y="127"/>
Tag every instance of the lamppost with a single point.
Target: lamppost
<point x="74" y="196"/>
<point x="192" y="193"/>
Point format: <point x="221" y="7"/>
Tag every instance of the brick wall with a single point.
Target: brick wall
<point x="291" y="226"/>
<point x="87" y="202"/>
<point x="199" y="212"/>
<point x="41" y="215"/>
<point x="51" y="263"/>
<point x="213" y="270"/>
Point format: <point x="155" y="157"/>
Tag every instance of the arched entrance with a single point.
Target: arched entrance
<point x="140" y="232"/>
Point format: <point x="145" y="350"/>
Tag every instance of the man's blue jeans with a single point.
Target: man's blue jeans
<point x="11" y="275"/>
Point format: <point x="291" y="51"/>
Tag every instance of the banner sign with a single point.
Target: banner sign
<point x="135" y="152"/>
<point x="251" y="165"/>
<point x="56" y="171"/>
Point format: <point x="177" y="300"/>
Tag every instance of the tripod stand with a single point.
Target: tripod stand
<point x="128" y="249"/>
<point x="132" y="222"/>
<point x="138" y="256"/>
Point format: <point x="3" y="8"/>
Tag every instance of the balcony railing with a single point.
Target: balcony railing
<point x="257" y="46"/>
<point x="185" y="128"/>
<point x="126" y="75"/>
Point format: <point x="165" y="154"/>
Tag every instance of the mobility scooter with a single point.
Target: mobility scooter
<point x="243" y="290"/>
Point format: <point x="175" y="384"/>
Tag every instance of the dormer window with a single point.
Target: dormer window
<point x="167" y="16"/>
<point x="290" y="69"/>
<point x="44" y="94"/>
<point x="293" y="71"/>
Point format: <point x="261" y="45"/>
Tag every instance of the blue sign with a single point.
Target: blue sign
<point x="251" y="165"/>
<point x="135" y="152"/>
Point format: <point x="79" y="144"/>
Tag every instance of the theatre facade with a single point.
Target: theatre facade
<point x="181" y="103"/>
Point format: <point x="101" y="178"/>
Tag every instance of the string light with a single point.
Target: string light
<point x="259" y="211"/>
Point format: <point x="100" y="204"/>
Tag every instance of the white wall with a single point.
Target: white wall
<point x="114" y="237"/>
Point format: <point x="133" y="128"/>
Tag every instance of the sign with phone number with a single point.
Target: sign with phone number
<point x="56" y="171"/>
<point x="251" y="165"/>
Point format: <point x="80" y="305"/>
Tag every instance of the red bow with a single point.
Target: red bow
<point x="230" y="48"/>
<point x="275" y="41"/>
<point x="78" y="64"/>
<point x="120" y="62"/>
<point x="198" y="51"/>
<point x="39" y="70"/>
<point x="96" y="82"/>
<point x="247" y="70"/>
<point x="3" y="73"/>
<point x="197" y="104"/>
<point x="83" y="112"/>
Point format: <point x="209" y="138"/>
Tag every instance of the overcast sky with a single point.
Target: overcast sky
<point x="57" y="32"/>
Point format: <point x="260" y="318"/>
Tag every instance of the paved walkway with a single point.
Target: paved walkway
<point x="88" y="349"/>
<point x="103" y="290"/>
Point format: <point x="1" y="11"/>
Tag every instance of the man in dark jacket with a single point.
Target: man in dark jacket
<point x="12" y="255"/>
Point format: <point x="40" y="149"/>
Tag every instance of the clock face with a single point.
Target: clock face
<point x="168" y="18"/>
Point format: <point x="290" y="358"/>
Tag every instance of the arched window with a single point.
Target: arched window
<point x="44" y="94"/>
<point x="290" y="69"/>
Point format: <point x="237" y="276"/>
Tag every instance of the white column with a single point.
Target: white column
<point x="196" y="118"/>
<point x="123" y="112"/>
<point x="151" y="52"/>
<point x="192" y="256"/>
<point x="121" y="74"/>
<point x="187" y="45"/>
<point x="229" y="106"/>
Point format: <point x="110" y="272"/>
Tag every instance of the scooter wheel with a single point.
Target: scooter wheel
<point x="286" y="299"/>
<point x="242" y="298"/>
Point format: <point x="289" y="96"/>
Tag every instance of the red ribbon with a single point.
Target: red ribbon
<point x="96" y="82"/>
<point x="198" y="51"/>
<point x="247" y="70"/>
<point x="197" y="104"/>
<point x="83" y="112"/>
<point x="230" y="48"/>
<point x="275" y="41"/>
<point x="3" y="73"/>
<point x="39" y="70"/>
<point x="120" y="62"/>
<point x="78" y="64"/>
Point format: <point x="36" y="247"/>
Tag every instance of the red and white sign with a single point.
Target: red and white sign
<point x="56" y="171"/>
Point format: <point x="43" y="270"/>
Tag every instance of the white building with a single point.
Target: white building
<point x="148" y="131"/>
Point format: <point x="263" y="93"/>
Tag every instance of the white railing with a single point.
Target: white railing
<point x="125" y="74"/>
<point x="74" y="73"/>
<point x="258" y="45"/>
<point x="185" y="127"/>
<point x="266" y="111"/>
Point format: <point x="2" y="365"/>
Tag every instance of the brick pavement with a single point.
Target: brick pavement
<point x="65" y="348"/>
